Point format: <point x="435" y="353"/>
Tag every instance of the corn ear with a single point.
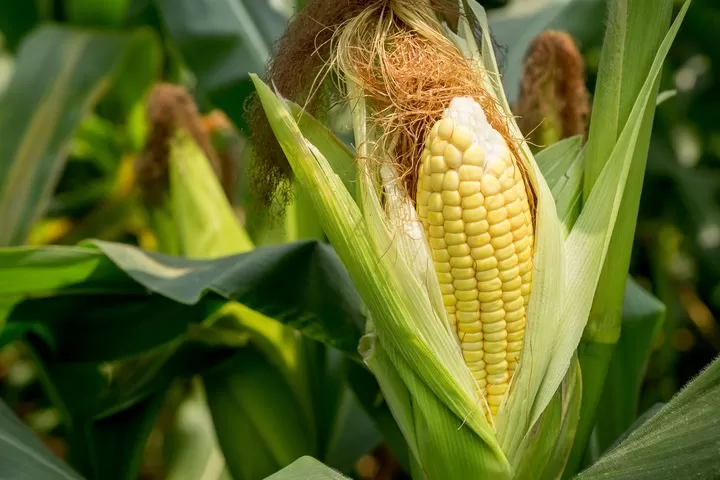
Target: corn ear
<point x="546" y="297"/>
<point x="412" y="345"/>
<point x="403" y="314"/>
<point x="473" y="202"/>
<point x="207" y="225"/>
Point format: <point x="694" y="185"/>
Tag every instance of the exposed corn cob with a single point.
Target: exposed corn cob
<point x="472" y="200"/>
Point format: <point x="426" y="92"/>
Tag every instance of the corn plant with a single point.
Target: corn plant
<point x="478" y="286"/>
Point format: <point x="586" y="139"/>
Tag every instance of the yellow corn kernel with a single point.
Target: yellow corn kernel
<point x="472" y="200"/>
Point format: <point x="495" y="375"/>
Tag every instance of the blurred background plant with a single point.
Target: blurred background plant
<point x="75" y="76"/>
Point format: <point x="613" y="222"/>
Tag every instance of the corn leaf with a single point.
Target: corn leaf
<point x="24" y="456"/>
<point x="116" y="443"/>
<point x="307" y="468"/>
<point x="109" y="410"/>
<point x="643" y="317"/>
<point x="346" y="432"/>
<point x="367" y="390"/>
<point x="551" y="437"/>
<point x="631" y="46"/>
<point x="568" y="194"/>
<point x="679" y="441"/>
<point x="571" y="395"/>
<point x="588" y="242"/>
<point x="136" y="300"/>
<point x="562" y="164"/>
<point x="395" y="392"/>
<point x="555" y="160"/>
<point x="60" y="74"/>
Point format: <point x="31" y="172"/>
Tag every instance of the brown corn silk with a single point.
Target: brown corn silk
<point x="169" y="107"/>
<point x="553" y="102"/>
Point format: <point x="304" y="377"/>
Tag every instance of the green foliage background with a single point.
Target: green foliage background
<point x="74" y="75"/>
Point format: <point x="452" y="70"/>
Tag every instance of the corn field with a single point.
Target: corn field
<point x="358" y="239"/>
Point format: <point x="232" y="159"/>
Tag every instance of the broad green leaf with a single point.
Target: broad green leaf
<point x="239" y="33"/>
<point x="135" y="300"/>
<point x="130" y="381"/>
<point x="345" y="431"/>
<point x="643" y="316"/>
<point x="23" y="456"/>
<point x="59" y="75"/>
<point x="119" y="440"/>
<point x="111" y="325"/>
<point x="647" y="415"/>
<point x="353" y="433"/>
<point x="679" y="441"/>
<point x="306" y="468"/>
<point x="101" y="445"/>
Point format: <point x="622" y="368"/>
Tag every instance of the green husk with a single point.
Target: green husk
<point x="206" y="223"/>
